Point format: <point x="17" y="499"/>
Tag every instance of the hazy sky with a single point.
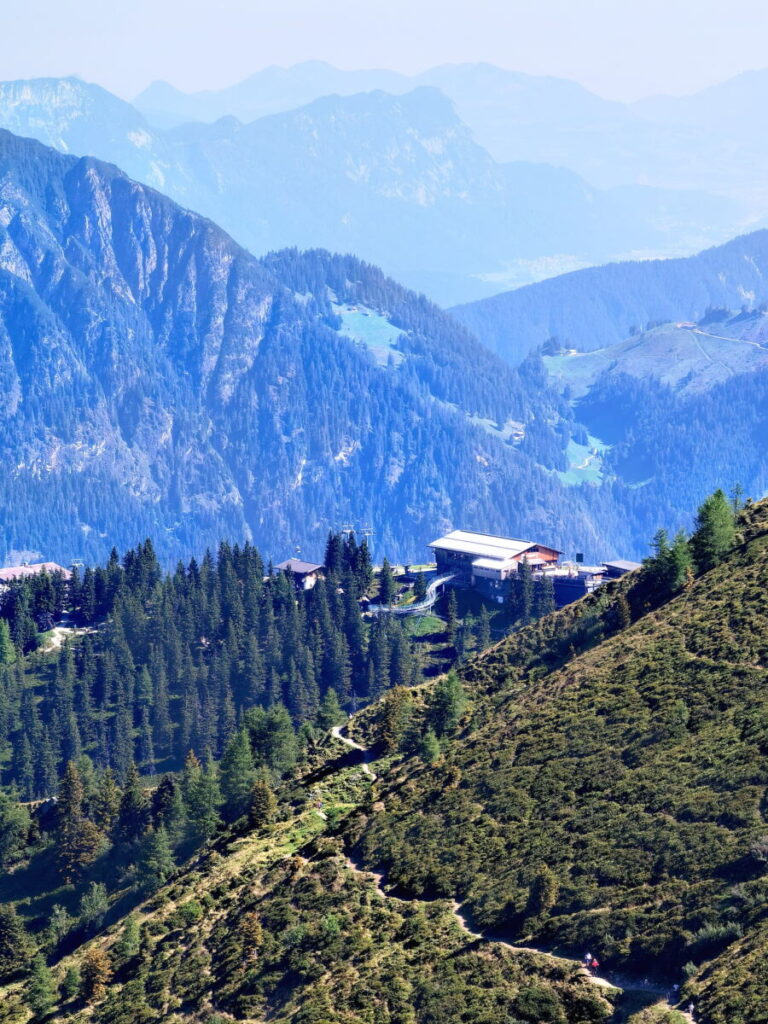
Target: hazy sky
<point x="622" y="49"/>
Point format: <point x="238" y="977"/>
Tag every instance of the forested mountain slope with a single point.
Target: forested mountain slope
<point x="159" y="380"/>
<point x="606" y="788"/>
<point x="220" y="889"/>
<point x="590" y="309"/>
<point x="398" y="180"/>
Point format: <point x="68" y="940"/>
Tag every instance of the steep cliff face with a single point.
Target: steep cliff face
<point x="123" y="319"/>
<point x="158" y="378"/>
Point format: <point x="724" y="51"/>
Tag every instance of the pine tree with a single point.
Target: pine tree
<point x="14" y="942"/>
<point x="420" y="586"/>
<point x="396" y="716"/>
<point x="451" y="618"/>
<point x="333" y="554"/>
<point x="525" y="586"/>
<point x="96" y="974"/>
<point x="15" y="824"/>
<point x="155" y="860"/>
<point x="484" y="629"/>
<point x="94" y="904"/>
<point x="386" y="584"/>
<point x="133" y="812"/>
<point x="78" y="839"/>
<point x="70" y="986"/>
<point x="737" y="498"/>
<point x="237" y="775"/>
<point x="364" y="568"/>
<point x="715" y="533"/>
<point x="544" y="596"/>
<point x="681" y="560"/>
<point x="330" y="712"/>
<point x="168" y="808"/>
<point x="40" y="993"/>
<point x="105" y="804"/>
<point x="60" y="923"/>
<point x="7" y="650"/>
<point x="447" y="704"/>
<point x="430" y="747"/>
<point x="263" y="803"/>
<point x="146" y="746"/>
<point x="129" y="943"/>
<point x="202" y="800"/>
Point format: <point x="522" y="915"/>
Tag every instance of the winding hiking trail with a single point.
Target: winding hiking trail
<point x="337" y="735"/>
<point x="629" y="986"/>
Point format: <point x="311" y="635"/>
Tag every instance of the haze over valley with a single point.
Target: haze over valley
<point x="383" y="514"/>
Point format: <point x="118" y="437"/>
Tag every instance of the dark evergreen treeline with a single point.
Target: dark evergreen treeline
<point x="171" y="663"/>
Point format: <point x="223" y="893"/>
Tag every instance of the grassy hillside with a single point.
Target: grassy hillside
<point x="609" y="791"/>
<point x="603" y="788"/>
<point x="688" y="358"/>
<point x="274" y="923"/>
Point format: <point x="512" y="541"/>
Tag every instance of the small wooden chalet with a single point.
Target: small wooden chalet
<point x="304" y="574"/>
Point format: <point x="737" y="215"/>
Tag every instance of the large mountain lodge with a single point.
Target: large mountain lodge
<point x="483" y="556"/>
<point x="488" y="563"/>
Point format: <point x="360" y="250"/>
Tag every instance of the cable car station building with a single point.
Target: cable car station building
<point x="480" y="557"/>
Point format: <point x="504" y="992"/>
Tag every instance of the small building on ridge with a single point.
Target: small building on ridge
<point x="305" y="574"/>
<point x="20" y="572"/>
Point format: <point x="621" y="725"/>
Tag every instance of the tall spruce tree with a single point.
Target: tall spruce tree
<point x="7" y="650"/>
<point x="78" y="840"/>
<point x="544" y="596"/>
<point x="715" y="533"/>
<point x="155" y="860"/>
<point x="14" y="942"/>
<point x="447" y="704"/>
<point x="386" y="584"/>
<point x="451" y="618"/>
<point x="237" y="775"/>
<point x="330" y="712"/>
<point x="40" y="992"/>
<point x="133" y="812"/>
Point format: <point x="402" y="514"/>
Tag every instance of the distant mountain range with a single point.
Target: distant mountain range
<point x="398" y="180"/>
<point x="600" y="306"/>
<point x="710" y="140"/>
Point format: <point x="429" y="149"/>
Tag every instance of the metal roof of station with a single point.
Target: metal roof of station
<point x="483" y="545"/>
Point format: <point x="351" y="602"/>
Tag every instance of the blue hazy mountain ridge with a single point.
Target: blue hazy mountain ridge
<point x="398" y="180"/>
<point x="158" y="380"/>
<point x="273" y="90"/>
<point x="600" y="306"/>
<point x="663" y="141"/>
<point x="481" y="92"/>
<point x="735" y="105"/>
